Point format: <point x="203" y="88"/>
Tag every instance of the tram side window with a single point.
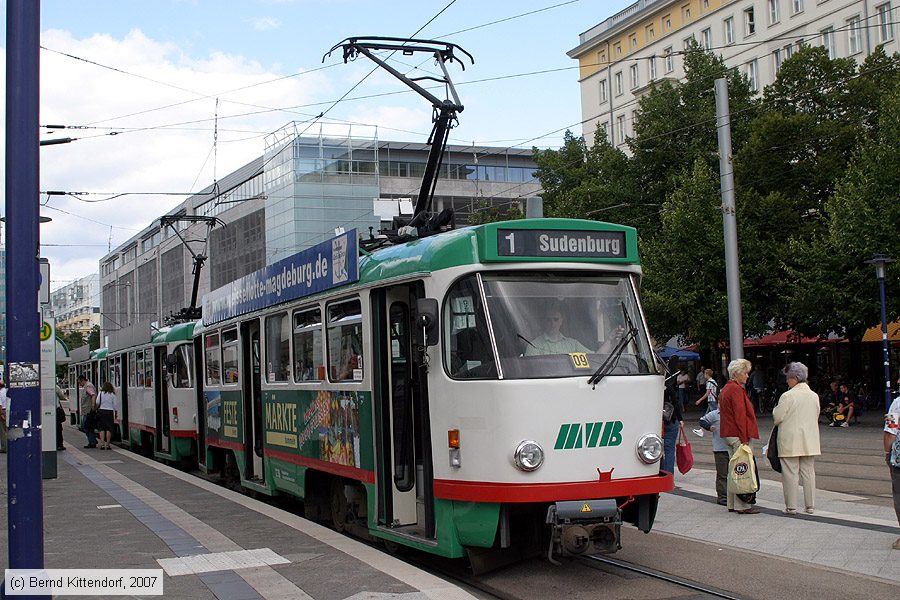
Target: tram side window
<point x="140" y="368"/>
<point x="182" y="376"/>
<point x="132" y="369"/>
<point x="467" y="345"/>
<point x="308" y="363"/>
<point x="345" y="350"/>
<point x="278" y="348"/>
<point x="148" y="368"/>
<point x="230" y="357"/>
<point x="213" y="361"/>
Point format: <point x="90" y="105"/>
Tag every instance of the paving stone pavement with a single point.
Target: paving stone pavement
<point x="118" y="510"/>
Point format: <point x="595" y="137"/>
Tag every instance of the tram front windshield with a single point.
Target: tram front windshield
<point x="544" y="325"/>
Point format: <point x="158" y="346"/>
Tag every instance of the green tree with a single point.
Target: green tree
<point x="835" y="290"/>
<point x="72" y="339"/>
<point x="94" y="337"/>
<point x="676" y="125"/>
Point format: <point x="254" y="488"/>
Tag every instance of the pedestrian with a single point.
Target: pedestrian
<point x="737" y="423"/>
<point x="60" y="417"/>
<point x="892" y="454"/>
<point x="672" y="418"/>
<point x="684" y="382"/>
<point x="758" y="389"/>
<point x="845" y="409"/>
<point x="4" y="416"/>
<point x="797" y="419"/>
<point x="710" y="422"/>
<point x="88" y="407"/>
<point x="712" y="392"/>
<point x="107" y="407"/>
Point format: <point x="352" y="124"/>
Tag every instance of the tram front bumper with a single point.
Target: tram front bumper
<point x="584" y="527"/>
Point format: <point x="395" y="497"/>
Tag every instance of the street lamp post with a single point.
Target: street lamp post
<point x="880" y="261"/>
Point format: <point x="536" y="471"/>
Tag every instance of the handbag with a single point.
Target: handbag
<point x="742" y="471"/>
<point x="684" y="457"/>
<point x="772" y="451"/>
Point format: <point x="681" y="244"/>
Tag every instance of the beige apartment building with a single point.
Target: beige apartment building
<point x="621" y="57"/>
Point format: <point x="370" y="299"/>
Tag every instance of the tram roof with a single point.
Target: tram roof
<point x="479" y="243"/>
<point x="174" y="333"/>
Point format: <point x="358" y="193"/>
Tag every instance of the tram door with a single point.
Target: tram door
<point x="407" y="469"/>
<point x="161" y="399"/>
<point x="252" y="393"/>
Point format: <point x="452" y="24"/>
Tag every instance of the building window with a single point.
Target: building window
<point x="652" y="68"/>
<point x="773" y="12"/>
<point x="788" y="51"/>
<point x="705" y="5"/>
<point x="632" y="41"/>
<point x="749" y="22"/>
<point x="828" y="41"/>
<point x="706" y="39"/>
<point x="688" y="42"/>
<point x="635" y="80"/>
<point x="778" y="58"/>
<point x="649" y="33"/>
<point x="670" y="62"/>
<point x="667" y="22"/>
<point x="753" y="75"/>
<point x="729" y="30"/>
<point x="601" y="58"/>
<point x="796" y="6"/>
<point x="885" y="23"/>
<point x="603" y="96"/>
<point x="620" y="128"/>
<point x="854" y="35"/>
<point x="606" y="129"/>
<point x="620" y="89"/>
<point x="618" y="48"/>
<point x="686" y="12"/>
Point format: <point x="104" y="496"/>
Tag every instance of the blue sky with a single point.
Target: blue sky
<point x="160" y="76"/>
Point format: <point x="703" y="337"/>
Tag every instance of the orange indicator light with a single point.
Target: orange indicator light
<point x="453" y="438"/>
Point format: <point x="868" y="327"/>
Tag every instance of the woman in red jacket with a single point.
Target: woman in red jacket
<point x="737" y="422"/>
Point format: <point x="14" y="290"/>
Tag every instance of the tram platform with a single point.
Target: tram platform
<point x="848" y="533"/>
<point x="117" y="510"/>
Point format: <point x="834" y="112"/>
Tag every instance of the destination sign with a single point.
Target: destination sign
<point x="561" y="243"/>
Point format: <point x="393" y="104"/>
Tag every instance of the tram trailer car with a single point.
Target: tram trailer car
<point x="419" y="403"/>
<point x="156" y="386"/>
<point x="158" y="395"/>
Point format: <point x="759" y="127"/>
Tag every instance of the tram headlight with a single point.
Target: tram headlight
<point x="529" y="455"/>
<point x="649" y="448"/>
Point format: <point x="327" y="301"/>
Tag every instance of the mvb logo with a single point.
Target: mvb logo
<point x="591" y="435"/>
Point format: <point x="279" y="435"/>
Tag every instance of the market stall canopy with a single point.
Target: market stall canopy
<point x="873" y="334"/>
<point x="667" y="352"/>
<point x="781" y="338"/>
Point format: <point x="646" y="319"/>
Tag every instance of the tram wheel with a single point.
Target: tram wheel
<point x="338" y="505"/>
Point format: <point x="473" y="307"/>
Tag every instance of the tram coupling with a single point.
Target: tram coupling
<point x="584" y="527"/>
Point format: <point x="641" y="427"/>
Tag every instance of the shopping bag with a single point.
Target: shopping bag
<point x="684" y="458"/>
<point x="742" y="471"/>
<point x="772" y="451"/>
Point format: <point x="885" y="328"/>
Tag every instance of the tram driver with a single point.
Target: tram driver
<point x="552" y="340"/>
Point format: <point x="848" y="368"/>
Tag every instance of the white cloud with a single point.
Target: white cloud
<point x="264" y="23"/>
<point x="155" y="150"/>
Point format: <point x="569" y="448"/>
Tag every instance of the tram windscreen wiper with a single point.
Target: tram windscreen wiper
<point x="613" y="358"/>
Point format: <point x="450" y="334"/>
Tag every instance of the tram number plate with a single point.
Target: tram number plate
<point x="580" y="360"/>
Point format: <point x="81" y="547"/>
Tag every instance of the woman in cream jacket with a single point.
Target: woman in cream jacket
<point x="797" y="418"/>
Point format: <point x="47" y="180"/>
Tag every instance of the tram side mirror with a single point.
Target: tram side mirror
<point x="426" y="322"/>
<point x="171" y="363"/>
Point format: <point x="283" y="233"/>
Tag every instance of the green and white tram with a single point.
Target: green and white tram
<point x="420" y="395"/>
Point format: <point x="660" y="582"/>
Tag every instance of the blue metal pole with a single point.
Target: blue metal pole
<point x="24" y="495"/>
<point x="884" y="347"/>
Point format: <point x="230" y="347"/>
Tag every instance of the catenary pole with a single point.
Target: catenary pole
<point x="729" y="221"/>
<point x="24" y="496"/>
